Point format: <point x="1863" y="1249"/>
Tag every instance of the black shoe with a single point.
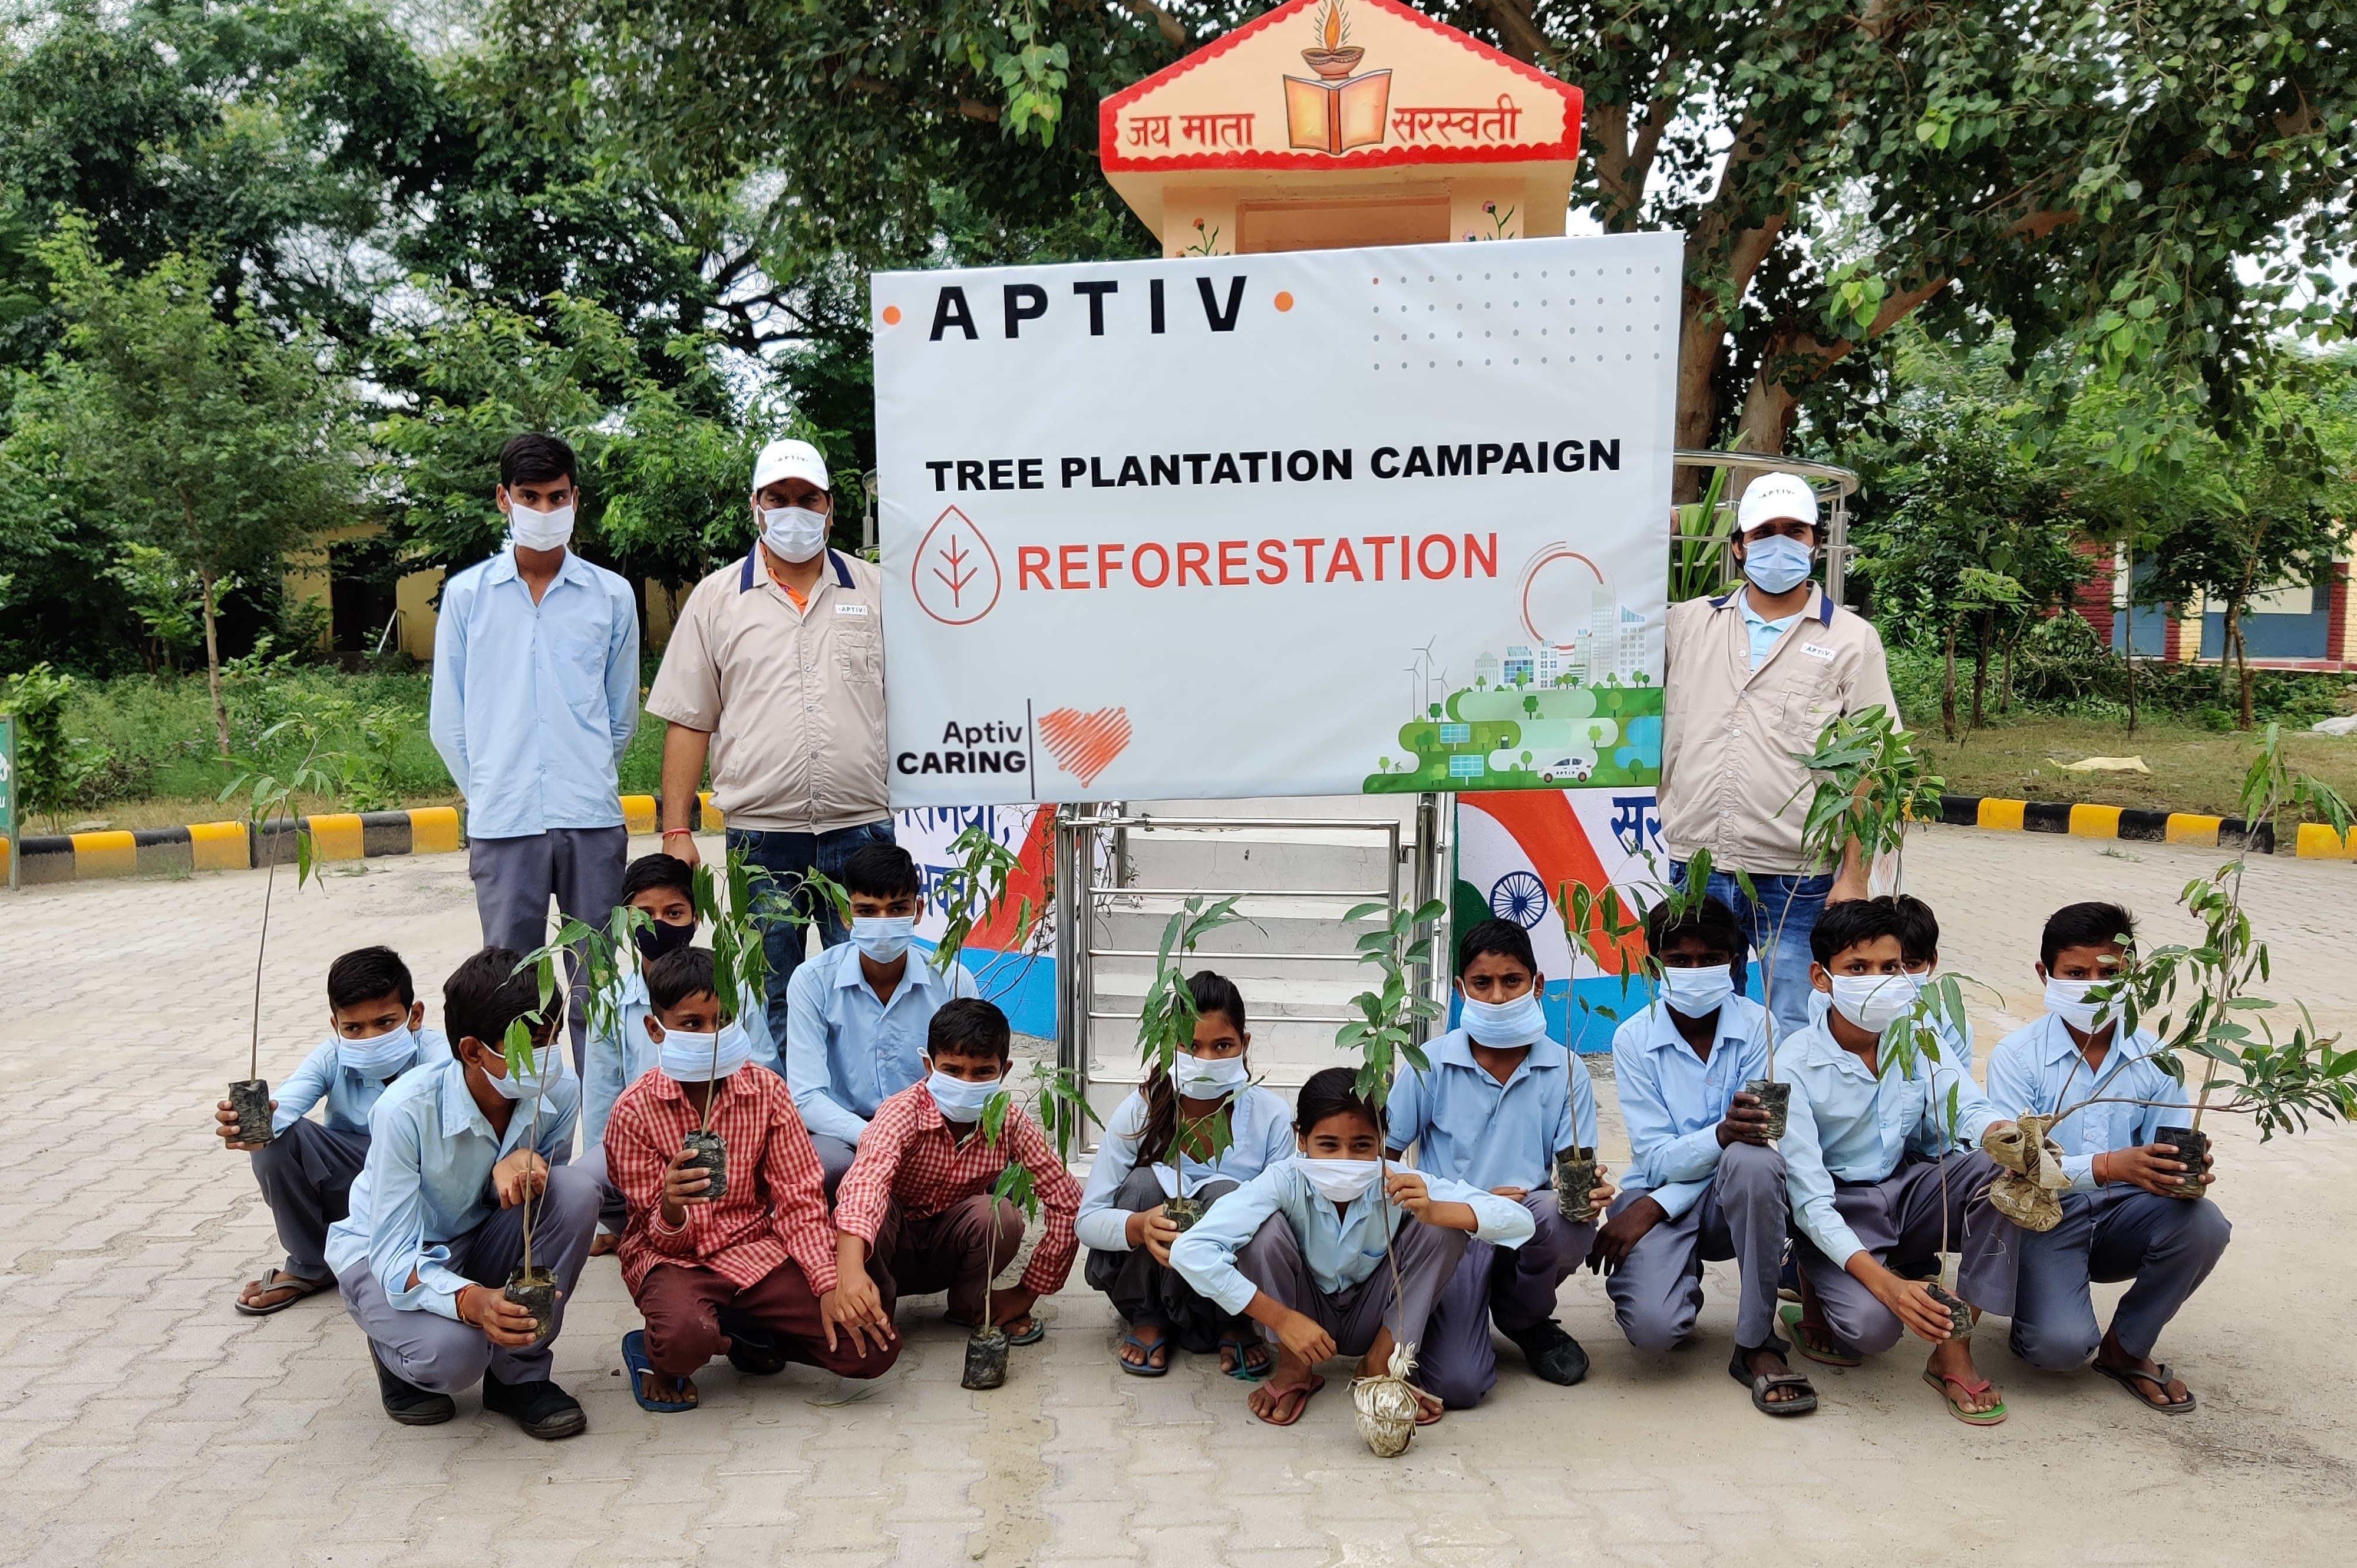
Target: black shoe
<point x="541" y="1408"/>
<point x="1552" y="1353"/>
<point x="750" y="1351"/>
<point x="406" y="1403"/>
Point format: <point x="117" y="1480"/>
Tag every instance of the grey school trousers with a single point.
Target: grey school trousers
<point x="835" y="1157"/>
<point x="1899" y="1220"/>
<point x="1513" y="1285"/>
<point x="305" y="1174"/>
<point x="514" y="879"/>
<point x="1426" y="1256"/>
<point x="2167" y="1245"/>
<point x="443" y="1355"/>
<point x="1657" y="1291"/>
<point x="1144" y="1291"/>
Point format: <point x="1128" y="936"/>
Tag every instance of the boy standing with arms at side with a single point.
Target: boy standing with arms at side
<point x="857" y="1014"/>
<point x="457" y="1147"/>
<point x="2126" y="1215"/>
<point x="1500" y="1101"/>
<point x="1707" y="1184"/>
<point x="918" y="1198"/>
<point x="308" y="1168"/>
<point x="753" y="1271"/>
<point x="1876" y="1182"/>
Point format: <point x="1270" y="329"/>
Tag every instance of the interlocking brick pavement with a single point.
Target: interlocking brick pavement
<point x="142" y="1422"/>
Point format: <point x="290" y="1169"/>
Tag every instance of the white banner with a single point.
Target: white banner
<point x="1319" y="523"/>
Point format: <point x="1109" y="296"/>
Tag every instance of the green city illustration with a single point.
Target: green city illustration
<point x="1585" y="713"/>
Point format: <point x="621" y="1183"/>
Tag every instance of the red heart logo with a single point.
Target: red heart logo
<point x="1084" y="744"/>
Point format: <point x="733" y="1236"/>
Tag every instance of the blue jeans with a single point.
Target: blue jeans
<point x="789" y="857"/>
<point x="1779" y="923"/>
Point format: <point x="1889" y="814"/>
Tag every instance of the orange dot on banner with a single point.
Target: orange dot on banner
<point x="891" y="315"/>
<point x="1284" y="300"/>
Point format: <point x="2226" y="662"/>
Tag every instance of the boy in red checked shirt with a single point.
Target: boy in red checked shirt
<point x="918" y="1197"/>
<point x="753" y="1271"/>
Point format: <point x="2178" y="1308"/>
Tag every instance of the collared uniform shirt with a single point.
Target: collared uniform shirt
<point x="1342" y="1248"/>
<point x="1847" y="1125"/>
<point x="793" y="699"/>
<point x="1729" y="730"/>
<point x="349" y="1095"/>
<point x="534" y="704"/>
<point x="1672" y="1102"/>
<point x="1765" y="634"/>
<point x="428" y="1178"/>
<point x="2037" y="1070"/>
<point x="1470" y="1128"/>
<point x="615" y="1057"/>
<point x="775" y="1205"/>
<point x="1955" y="1048"/>
<point x="911" y="1159"/>
<point x="1260" y="1131"/>
<point x="847" y="1053"/>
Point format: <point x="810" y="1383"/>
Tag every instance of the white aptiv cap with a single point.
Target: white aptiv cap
<point x="1770" y="498"/>
<point x="796" y="460"/>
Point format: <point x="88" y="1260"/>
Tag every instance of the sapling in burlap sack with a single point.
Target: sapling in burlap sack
<point x="1388" y="1032"/>
<point x="2195" y="1001"/>
<point x="269" y="813"/>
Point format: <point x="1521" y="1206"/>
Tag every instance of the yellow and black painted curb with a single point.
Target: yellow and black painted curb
<point x="233" y="846"/>
<point x="2315" y="841"/>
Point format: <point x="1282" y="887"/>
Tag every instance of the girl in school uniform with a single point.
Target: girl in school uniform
<point x="1206" y="1098"/>
<point x="1300" y="1248"/>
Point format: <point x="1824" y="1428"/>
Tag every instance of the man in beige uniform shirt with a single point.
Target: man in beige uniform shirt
<point x="776" y="669"/>
<point x="1752" y="677"/>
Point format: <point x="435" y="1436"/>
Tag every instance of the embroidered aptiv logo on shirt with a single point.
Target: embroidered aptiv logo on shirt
<point x="845" y="608"/>
<point x="1817" y="650"/>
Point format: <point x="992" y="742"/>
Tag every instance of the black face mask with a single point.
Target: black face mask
<point x="661" y="938"/>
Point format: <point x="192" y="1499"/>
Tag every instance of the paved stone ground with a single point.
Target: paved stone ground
<point x="142" y="1422"/>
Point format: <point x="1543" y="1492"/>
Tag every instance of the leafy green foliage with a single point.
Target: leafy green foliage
<point x="973" y="892"/>
<point x="49" y="766"/>
<point x="270" y="792"/>
<point x="1698" y="545"/>
<point x="1386" y="1031"/>
<point x="1870" y="783"/>
<point x="1166" y="1019"/>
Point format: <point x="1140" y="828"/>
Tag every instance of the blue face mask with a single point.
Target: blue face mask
<point x="1501" y="1025"/>
<point x="379" y="1057"/>
<point x="883" y="937"/>
<point x="1776" y="564"/>
<point x="957" y="1099"/>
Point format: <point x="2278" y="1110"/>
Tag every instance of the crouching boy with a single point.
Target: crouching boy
<point x="308" y="1168"/>
<point x="751" y="1270"/>
<point x="1705" y="1184"/>
<point x="2126" y="1215"/>
<point x="462" y="1152"/>
<point x="917" y="1200"/>
<point x="1301" y="1248"/>
<point x="1876" y="1179"/>
<point x="1502" y="1100"/>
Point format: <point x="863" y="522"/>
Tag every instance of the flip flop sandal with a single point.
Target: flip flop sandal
<point x="1738" y="1368"/>
<point x="634" y="1357"/>
<point x="1142" y="1369"/>
<point x="1242" y="1371"/>
<point x="1790" y="1316"/>
<point x="279" y="1279"/>
<point x="1289" y="1392"/>
<point x="2128" y="1376"/>
<point x="1033" y="1335"/>
<point x="1989" y="1417"/>
<point x="1427" y="1415"/>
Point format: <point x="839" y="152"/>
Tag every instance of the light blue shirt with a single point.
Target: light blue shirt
<point x="613" y="1060"/>
<point x="1672" y="1102"/>
<point x="534" y="704"/>
<point x="1846" y="1123"/>
<point x="847" y="1053"/>
<point x="2038" y="1067"/>
<point x="351" y="1096"/>
<point x="1955" y="1050"/>
<point x="1469" y="1127"/>
<point x="1341" y="1247"/>
<point x="1764" y="634"/>
<point x="1260" y="1131"/>
<point x="428" y="1178"/>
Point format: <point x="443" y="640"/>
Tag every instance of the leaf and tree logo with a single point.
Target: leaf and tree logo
<point x="955" y="577"/>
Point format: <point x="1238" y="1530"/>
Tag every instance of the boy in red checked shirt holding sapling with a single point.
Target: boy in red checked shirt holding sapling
<point x="918" y="1197"/>
<point x="751" y="1271"/>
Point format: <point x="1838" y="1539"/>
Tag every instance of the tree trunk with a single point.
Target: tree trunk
<point x="1948" y="687"/>
<point x="2242" y="660"/>
<point x="2005" y="676"/>
<point x="2130" y="645"/>
<point x="1980" y="669"/>
<point x="213" y="665"/>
